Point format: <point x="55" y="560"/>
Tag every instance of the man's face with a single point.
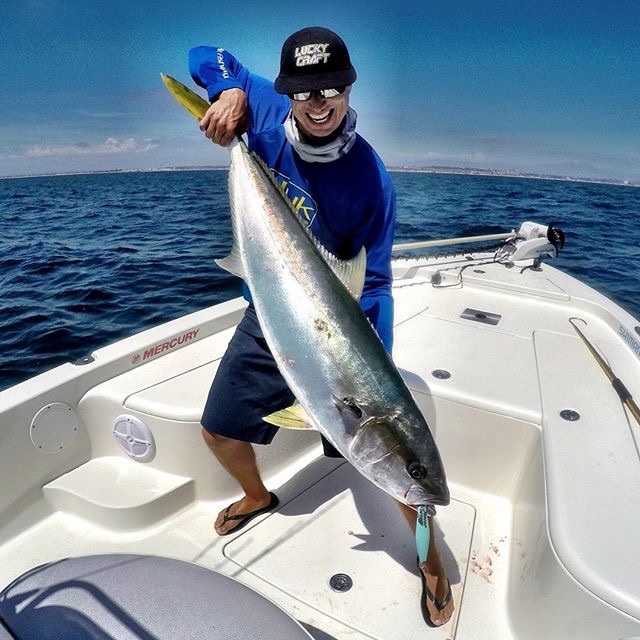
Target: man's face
<point x="319" y="117"/>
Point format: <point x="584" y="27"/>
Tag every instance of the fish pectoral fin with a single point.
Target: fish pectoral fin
<point x="350" y="406"/>
<point x="353" y="414"/>
<point x="294" y="417"/>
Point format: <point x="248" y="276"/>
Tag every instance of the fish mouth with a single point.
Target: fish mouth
<point x="417" y="496"/>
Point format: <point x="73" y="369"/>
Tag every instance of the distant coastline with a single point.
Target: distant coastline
<point x="102" y="171"/>
<point x="465" y="171"/>
<point x="513" y="173"/>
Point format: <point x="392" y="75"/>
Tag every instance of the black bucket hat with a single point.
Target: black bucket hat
<point x="314" y="58"/>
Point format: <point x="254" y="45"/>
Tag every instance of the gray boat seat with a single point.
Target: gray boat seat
<point x="138" y="597"/>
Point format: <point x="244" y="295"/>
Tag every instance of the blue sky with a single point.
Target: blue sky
<point x="534" y="86"/>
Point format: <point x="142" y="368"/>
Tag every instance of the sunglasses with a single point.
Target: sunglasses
<point x="325" y="93"/>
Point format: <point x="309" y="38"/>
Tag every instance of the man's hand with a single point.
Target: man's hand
<point x="226" y="118"/>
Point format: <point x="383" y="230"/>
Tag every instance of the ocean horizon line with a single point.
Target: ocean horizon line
<point x="435" y="169"/>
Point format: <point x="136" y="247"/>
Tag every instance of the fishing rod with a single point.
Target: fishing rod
<point x="425" y="244"/>
<point x="616" y="383"/>
<point x="531" y="240"/>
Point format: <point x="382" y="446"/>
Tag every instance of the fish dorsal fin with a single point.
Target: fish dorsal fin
<point x="294" y="417"/>
<point x="233" y="262"/>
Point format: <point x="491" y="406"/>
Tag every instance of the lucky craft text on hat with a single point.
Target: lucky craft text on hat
<point x="314" y="58"/>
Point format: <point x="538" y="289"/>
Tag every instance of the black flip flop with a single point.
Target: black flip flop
<point x="426" y="593"/>
<point x="245" y="518"/>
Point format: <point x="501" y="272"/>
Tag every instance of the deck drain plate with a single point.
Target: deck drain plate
<point x="340" y="582"/>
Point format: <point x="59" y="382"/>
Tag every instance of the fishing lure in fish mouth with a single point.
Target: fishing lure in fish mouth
<point x="423" y="534"/>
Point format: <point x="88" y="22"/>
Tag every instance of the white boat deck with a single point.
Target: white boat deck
<point x="338" y="524"/>
<point x="539" y="540"/>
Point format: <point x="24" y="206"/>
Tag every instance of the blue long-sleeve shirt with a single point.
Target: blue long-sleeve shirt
<point x="347" y="203"/>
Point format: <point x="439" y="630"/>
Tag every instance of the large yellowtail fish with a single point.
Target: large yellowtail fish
<point x="347" y="386"/>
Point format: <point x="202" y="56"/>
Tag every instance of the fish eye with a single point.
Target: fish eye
<point x="416" y="470"/>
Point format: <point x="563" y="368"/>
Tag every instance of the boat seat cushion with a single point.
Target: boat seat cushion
<point x="127" y="597"/>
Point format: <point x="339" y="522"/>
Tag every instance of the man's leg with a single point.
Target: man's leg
<point x="247" y="386"/>
<point x="239" y="459"/>
<point x="434" y="572"/>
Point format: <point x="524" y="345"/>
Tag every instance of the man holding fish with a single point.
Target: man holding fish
<point x="303" y="129"/>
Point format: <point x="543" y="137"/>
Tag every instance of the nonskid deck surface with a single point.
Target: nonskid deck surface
<point x="336" y="522"/>
<point x="344" y="525"/>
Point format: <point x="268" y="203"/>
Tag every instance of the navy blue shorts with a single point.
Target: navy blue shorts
<point x="248" y="386"/>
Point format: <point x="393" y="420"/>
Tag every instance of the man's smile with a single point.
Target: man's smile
<point x="320" y="118"/>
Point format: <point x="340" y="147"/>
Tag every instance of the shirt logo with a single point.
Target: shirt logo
<point x="304" y="205"/>
<point x="221" y="65"/>
<point x="311" y="54"/>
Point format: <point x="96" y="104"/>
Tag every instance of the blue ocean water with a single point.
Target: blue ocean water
<point x="88" y="259"/>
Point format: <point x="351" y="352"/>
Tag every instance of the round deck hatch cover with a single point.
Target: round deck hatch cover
<point x="54" y="427"/>
<point x="134" y="437"/>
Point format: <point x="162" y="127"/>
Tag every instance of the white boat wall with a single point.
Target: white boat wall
<point x="105" y="456"/>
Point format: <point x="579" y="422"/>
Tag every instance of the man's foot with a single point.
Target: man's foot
<point x="240" y="513"/>
<point x="437" y="602"/>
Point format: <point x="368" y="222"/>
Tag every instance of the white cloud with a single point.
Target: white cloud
<point x="108" y="147"/>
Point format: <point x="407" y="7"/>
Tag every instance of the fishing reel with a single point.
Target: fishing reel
<point x="532" y="241"/>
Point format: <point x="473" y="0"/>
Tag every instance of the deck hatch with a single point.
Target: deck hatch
<point x="485" y="317"/>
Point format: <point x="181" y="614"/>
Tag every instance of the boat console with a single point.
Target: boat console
<point x="138" y="596"/>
